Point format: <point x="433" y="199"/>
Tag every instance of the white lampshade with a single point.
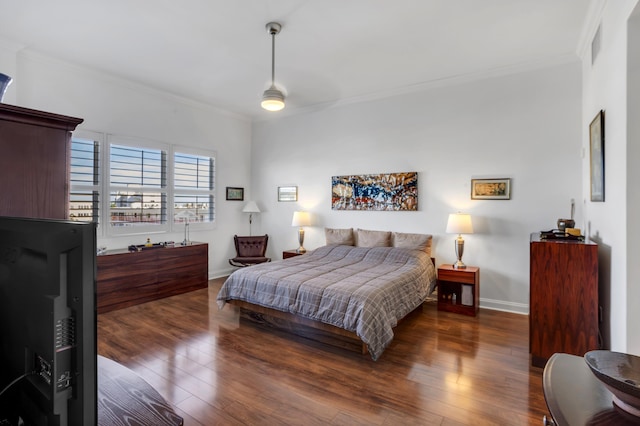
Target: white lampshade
<point x="459" y="223"/>
<point x="251" y="207"/>
<point x="301" y="219"/>
<point x="272" y="99"/>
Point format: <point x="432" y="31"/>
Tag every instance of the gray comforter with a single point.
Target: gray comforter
<point x="360" y="289"/>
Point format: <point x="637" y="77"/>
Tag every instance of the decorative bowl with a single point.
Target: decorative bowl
<point x="620" y="373"/>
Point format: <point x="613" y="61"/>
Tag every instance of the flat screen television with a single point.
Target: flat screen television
<point x="48" y="349"/>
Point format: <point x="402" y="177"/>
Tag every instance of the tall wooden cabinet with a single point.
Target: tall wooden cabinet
<point x="34" y="162"/>
<point x="563" y="289"/>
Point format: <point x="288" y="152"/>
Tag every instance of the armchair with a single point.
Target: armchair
<point x="250" y="250"/>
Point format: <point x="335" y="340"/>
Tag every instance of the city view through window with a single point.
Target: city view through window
<point x="138" y="192"/>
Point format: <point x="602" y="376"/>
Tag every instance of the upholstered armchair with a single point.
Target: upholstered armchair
<point x="250" y="250"/>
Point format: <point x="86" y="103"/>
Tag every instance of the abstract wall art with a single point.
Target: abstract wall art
<point x="375" y="192"/>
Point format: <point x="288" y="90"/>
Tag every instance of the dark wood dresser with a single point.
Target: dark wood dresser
<point x="131" y="278"/>
<point x="564" y="298"/>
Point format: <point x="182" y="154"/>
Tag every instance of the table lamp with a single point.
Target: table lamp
<point x="459" y="223"/>
<point x="301" y="219"/>
<point x="251" y="207"/>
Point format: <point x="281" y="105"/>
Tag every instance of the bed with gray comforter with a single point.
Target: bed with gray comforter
<point x="365" y="290"/>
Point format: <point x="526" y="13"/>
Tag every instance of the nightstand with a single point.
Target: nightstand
<point x="458" y="289"/>
<point x="290" y="253"/>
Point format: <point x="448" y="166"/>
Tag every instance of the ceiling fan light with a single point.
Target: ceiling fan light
<point x="272" y="99"/>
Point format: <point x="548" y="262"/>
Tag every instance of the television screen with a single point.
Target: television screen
<point x="48" y="353"/>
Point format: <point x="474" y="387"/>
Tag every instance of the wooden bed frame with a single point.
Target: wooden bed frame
<point x="304" y="327"/>
<point x="301" y="326"/>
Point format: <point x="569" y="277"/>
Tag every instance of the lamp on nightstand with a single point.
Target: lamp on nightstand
<point x="301" y="219"/>
<point x="459" y="223"/>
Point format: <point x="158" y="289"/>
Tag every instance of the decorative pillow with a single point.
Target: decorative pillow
<point x="339" y="236"/>
<point x="366" y="238"/>
<point x="413" y="241"/>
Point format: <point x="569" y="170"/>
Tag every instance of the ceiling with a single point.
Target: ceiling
<point x="218" y="51"/>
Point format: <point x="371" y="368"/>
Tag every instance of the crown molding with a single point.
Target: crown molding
<point x="432" y="84"/>
<point x="10" y="46"/>
<point x="133" y="85"/>
<point x="590" y="26"/>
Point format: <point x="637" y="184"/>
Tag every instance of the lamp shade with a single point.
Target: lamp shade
<point x="273" y="99"/>
<point x="459" y="223"/>
<point x="251" y="207"/>
<point x="301" y="219"/>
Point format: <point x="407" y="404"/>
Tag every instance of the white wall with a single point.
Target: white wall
<point x="524" y="126"/>
<point x="633" y="178"/>
<point x="111" y="105"/>
<point x="613" y="223"/>
<point x="8" y="67"/>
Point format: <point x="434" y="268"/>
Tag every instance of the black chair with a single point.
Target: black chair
<point x="250" y="250"/>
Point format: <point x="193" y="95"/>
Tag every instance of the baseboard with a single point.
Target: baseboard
<point x="501" y="305"/>
<point x="221" y="273"/>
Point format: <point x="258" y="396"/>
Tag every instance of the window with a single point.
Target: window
<point x="133" y="186"/>
<point x="137" y="188"/>
<point x="193" y="188"/>
<point x="84" y="200"/>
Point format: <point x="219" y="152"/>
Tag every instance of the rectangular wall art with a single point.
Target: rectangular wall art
<point x="380" y="192"/>
<point x="287" y="193"/>
<point x="596" y="143"/>
<point x="491" y="189"/>
<point x="235" y="194"/>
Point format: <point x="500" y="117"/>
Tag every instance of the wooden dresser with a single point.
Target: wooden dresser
<point x="34" y="162"/>
<point x="131" y="278"/>
<point x="564" y="298"/>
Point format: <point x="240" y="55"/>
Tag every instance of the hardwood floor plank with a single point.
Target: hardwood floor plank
<point x="218" y="369"/>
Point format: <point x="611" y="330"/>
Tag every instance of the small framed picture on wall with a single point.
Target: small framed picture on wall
<point x="491" y="189"/>
<point x="287" y="193"/>
<point x="235" y="194"/>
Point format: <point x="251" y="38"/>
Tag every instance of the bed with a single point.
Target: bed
<point x="360" y="284"/>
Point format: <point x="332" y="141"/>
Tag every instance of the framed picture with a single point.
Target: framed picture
<point x="491" y="189"/>
<point x="287" y="193"/>
<point x="235" y="194"/>
<point x="596" y="151"/>
<point x="375" y="192"/>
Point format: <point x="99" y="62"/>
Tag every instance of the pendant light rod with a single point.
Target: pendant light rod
<point x="273" y="28"/>
<point x="273" y="99"/>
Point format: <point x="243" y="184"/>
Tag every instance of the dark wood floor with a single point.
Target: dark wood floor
<point x="441" y="368"/>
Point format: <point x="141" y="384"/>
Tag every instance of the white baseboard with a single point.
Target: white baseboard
<point x="501" y="305"/>
<point x="221" y="273"/>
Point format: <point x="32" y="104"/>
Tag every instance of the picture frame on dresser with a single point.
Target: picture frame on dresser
<point x="596" y="157"/>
